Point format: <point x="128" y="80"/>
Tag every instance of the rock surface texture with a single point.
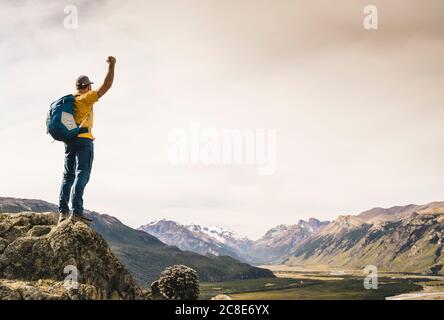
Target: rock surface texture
<point x="39" y="259"/>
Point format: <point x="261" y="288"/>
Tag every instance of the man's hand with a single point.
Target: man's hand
<point x="111" y="60"/>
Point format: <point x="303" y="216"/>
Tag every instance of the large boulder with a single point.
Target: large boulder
<point x="178" y="282"/>
<point x="37" y="256"/>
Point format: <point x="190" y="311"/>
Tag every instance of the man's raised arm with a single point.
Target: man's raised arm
<point x="109" y="77"/>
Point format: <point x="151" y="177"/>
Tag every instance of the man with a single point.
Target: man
<point x="79" y="152"/>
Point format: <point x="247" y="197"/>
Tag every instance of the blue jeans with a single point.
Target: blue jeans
<point x="79" y="156"/>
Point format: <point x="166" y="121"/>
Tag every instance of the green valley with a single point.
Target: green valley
<point x="299" y="284"/>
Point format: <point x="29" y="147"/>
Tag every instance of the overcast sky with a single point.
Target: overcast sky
<point x="358" y="114"/>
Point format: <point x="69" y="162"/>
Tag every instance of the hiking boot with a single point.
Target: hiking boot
<point x="80" y="218"/>
<point x="63" y="216"/>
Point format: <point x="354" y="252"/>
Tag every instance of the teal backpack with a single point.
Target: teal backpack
<point x="60" y="122"/>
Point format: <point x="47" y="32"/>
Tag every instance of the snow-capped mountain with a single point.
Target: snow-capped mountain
<point x="203" y="240"/>
<point x="275" y="244"/>
<point x="229" y="238"/>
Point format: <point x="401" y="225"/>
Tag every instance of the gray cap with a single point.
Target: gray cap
<point x="83" y="81"/>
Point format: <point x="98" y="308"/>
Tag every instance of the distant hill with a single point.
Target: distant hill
<point x="376" y="215"/>
<point x="398" y="239"/>
<point x="280" y="241"/>
<point x="144" y="255"/>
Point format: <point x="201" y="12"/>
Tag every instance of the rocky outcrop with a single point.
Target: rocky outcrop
<point x="45" y="290"/>
<point x="37" y="256"/>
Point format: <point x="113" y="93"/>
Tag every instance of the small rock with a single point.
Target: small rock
<point x="221" y="297"/>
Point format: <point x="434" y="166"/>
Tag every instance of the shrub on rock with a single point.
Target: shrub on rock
<point x="179" y="282"/>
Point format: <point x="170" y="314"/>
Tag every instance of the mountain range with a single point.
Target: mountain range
<point x="399" y="239"/>
<point x="406" y="238"/>
<point x="271" y="248"/>
<point x="144" y="255"/>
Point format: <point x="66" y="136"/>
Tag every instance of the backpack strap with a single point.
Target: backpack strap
<point x="86" y="117"/>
